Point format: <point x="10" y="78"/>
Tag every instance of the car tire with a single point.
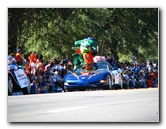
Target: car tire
<point x="64" y="89"/>
<point x="109" y="82"/>
<point x="14" y="88"/>
<point x="28" y="87"/>
<point x="67" y="90"/>
<point x="10" y="85"/>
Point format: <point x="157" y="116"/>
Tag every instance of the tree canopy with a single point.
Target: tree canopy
<point x="124" y="32"/>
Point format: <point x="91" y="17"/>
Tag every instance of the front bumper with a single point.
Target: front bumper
<point x="85" y="85"/>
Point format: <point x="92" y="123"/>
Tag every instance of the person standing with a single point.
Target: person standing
<point x="32" y="59"/>
<point x="33" y="88"/>
<point x="18" y="57"/>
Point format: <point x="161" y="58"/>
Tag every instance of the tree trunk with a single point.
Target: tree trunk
<point x="114" y="48"/>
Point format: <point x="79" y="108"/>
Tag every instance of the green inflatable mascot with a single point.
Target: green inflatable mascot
<point x="84" y="51"/>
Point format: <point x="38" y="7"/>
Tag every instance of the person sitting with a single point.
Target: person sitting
<point x="43" y="86"/>
<point x="48" y="83"/>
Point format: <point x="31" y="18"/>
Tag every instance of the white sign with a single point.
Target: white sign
<point x="22" y="78"/>
<point x="99" y="58"/>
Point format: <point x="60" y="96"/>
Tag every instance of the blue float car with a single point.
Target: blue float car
<point x="101" y="77"/>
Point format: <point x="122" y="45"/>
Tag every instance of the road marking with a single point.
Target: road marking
<point x="66" y="109"/>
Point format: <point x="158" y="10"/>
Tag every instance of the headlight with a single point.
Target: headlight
<point x="66" y="83"/>
<point x="102" y="81"/>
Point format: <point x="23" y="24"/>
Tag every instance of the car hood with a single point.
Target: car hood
<point x="98" y="74"/>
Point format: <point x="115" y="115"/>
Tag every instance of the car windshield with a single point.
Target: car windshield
<point x="82" y="71"/>
<point x="96" y="66"/>
<point x="102" y="66"/>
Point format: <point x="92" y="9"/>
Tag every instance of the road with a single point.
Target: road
<point x="137" y="105"/>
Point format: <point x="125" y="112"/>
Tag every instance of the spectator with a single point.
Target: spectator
<point x="43" y="87"/>
<point x="12" y="54"/>
<point x="59" y="79"/>
<point x="48" y="83"/>
<point x="39" y="60"/>
<point x="142" y="78"/>
<point x="18" y="57"/>
<point x="52" y="82"/>
<point x="47" y="68"/>
<point x="69" y="67"/>
<point x="137" y="69"/>
<point x="63" y="60"/>
<point x="62" y="67"/>
<point x="33" y="87"/>
<point x="132" y="80"/>
<point x="108" y="58"/>
<point x="149" y="66"/>
<point x="149" y="81"/>
<point x="12" y="65"/>
<point x="53" y="64"/>
<point x="126" y="79"/>
<point x="138" y="83"/>
<point x="27" y="65"/>
<point x="154" y="82"/>
<point x="154" y="76"/>
<point x="32" y="59"/>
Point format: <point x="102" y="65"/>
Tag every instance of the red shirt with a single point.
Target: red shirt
<point x="32" y="58"/>
<point x="19" y="58"/>
<point x="149" y="83"/>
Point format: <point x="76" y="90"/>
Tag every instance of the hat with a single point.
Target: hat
<point x="10" y="57"/>
<point x="61" y="63"/>
<point x="18" y="50"/>
<point x="90" y="38"/>
<point x="69" y="63"/>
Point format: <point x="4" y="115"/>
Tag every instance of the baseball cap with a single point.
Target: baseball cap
<point x="18" y="50"/>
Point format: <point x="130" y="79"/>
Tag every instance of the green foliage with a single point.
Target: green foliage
<point x="126" y="32"/>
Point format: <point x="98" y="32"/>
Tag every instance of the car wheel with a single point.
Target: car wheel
<point x="10" y="85"/>
<point x="109" y="82"/>
<point x="65" y="89"/>
<point x="13" y="87"/>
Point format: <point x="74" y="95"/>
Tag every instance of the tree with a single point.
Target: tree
<point x="125" y="32"/>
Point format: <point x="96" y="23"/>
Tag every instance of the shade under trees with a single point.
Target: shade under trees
<point x="124" y="32"/>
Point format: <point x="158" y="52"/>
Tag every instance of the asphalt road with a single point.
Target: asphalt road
<point x="138" y="105"/>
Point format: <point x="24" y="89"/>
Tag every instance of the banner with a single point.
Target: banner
<point x="22" y="78"/>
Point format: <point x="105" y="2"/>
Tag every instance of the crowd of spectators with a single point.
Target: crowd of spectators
<point x="137" y="75"/>
<point x="47" y="77"/>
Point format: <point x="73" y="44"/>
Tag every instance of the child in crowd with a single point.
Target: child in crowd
<point x="33" y="88"/>
<point x="43" y="86"/>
